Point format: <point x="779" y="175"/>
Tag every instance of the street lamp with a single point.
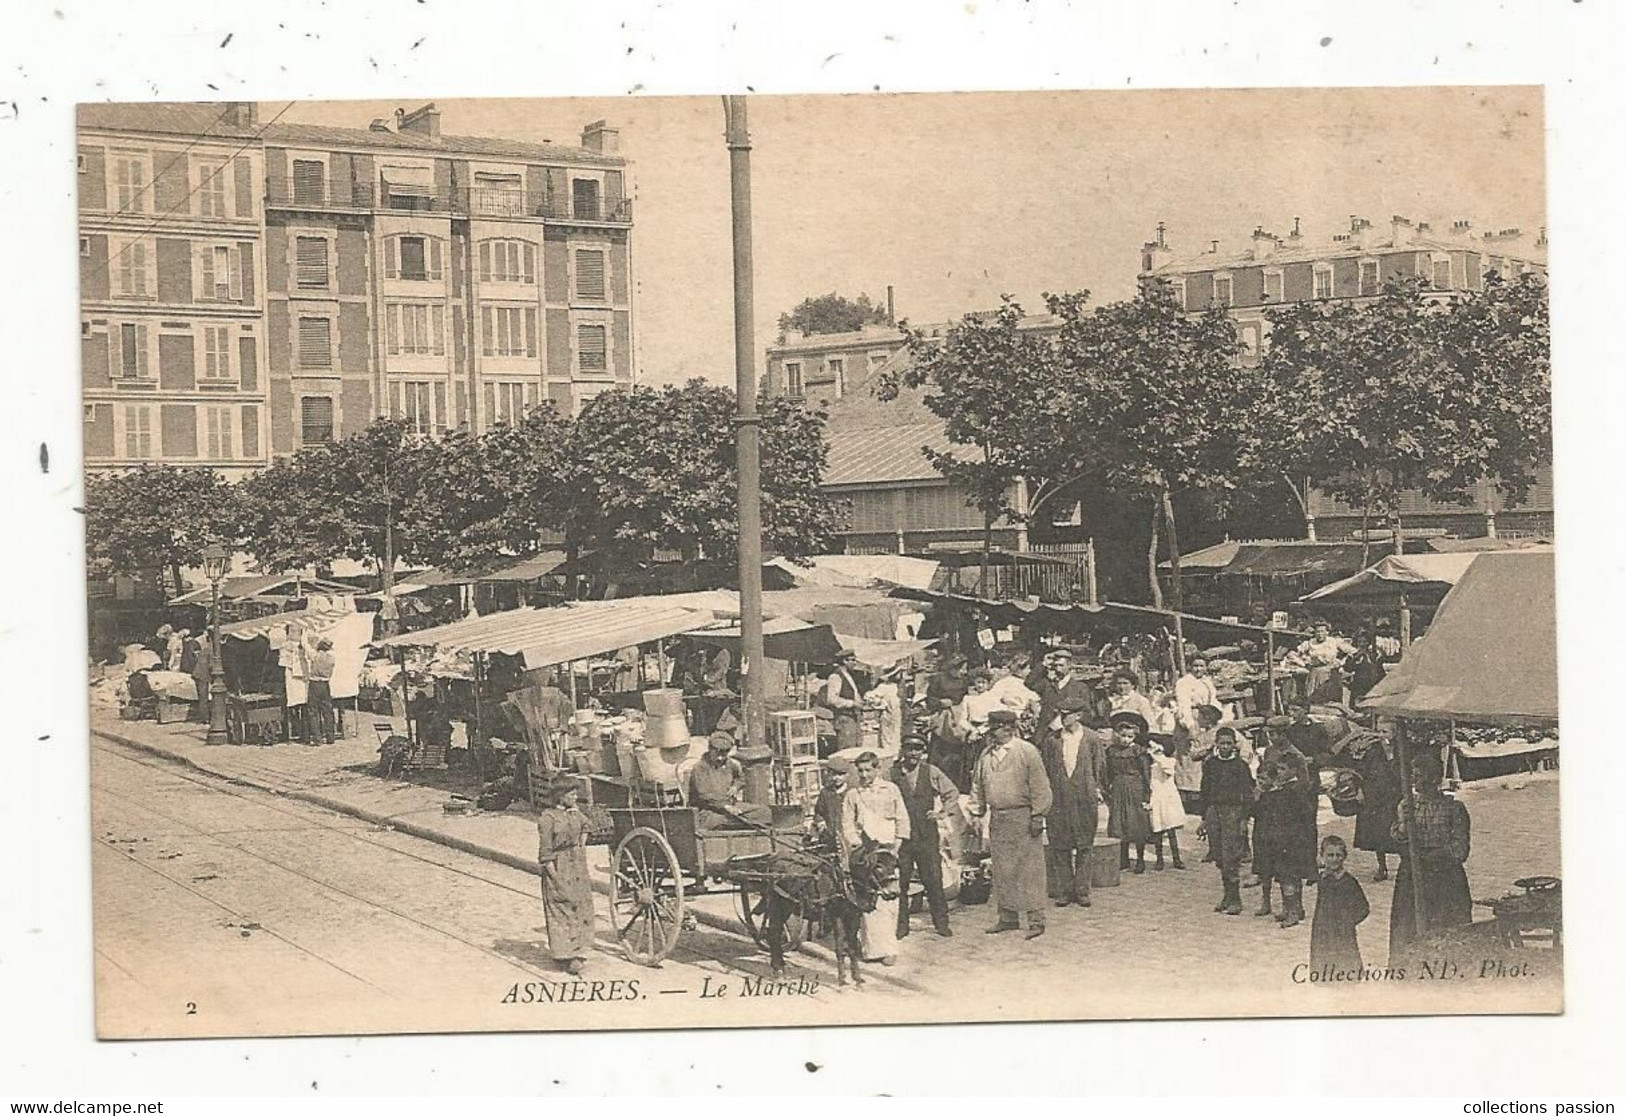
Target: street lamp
<point x="214" y="568"/>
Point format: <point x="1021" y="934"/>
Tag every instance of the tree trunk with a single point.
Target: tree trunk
<point x="1167" y="501"/>
<point x="386" y="574"/>
<point x="987" y="551"/>
<point x="1151" y="554"/>
<point x="180" y="586"/>
<point x="1399" y="533"/>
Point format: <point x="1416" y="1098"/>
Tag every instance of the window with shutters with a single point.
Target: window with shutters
<point x="507" y="261"/>
<point x="792" y="379"/>
<point x="130" y="352"/>
<point x="211" y="188"/>
<point x="1441" y="273"/>
<point x="1178" y="288"/>
<point x="132" y="270"/>
<point x="416" y="329"/>
<point x="316" y="420"/>
<point x="136" y="432"/>
<point x="584" y="194"/>
<point x="1224" y="290"/>
<point x="420" y="404"/>
<point x="311" y="267"/>
<point x="219" y="432"/>
<point x="1323" y="281"/>
<point x="220" y="273"/>
<point x="1498" y="265"/>
<point x="837" y="372"/>
<point x="309" y="182"/>
<point x="508" y="402"/>
<point x="592" y="349"/>
<point x="1252" y="334"/>
<point x="1369" y="277"/>
<point x="315" y="343"/>
<point x="217" y="353"/>
<point x="130" y="183"/>
<point x="1274" y="285"/>
<point x="413" y="257"/>
<point x="508" y="330"/>
<point x="590" y="275"/>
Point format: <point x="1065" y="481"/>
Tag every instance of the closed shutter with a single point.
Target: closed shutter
<point x="251" y="431"/>
<point x="439" y="407"/>
<point x="395" y="408"/>
<point x="590" y="275"/>
<point x="490" y="405"/>
<point x="530" y="331"/>
<point x="434" y="260"/>
<point x="530" y="263"/>
<point x="315" y="343"/>
<point x="206" y="289"/>
<point x="590" y="344"/>
<point x="437" y="328"/>
<point x="392" y="265"/>
<point x="392" y="317"/>
<point x="236" y="289"/>
<point x="485" y="261"/>
<point x="311" y="252"/>
<point x="487" y="323"/>
<point x="141" y="352"/>
<point x="309" y="182"/>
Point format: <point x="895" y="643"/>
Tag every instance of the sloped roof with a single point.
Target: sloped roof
<point x="888" y="455"/>
<point x="189" y="118"/>
<point x="1491" y="652"/>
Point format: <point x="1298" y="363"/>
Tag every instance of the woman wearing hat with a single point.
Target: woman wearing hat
<point x="561" y="850"/>
<point x="1443" y="832"/>
<point x="1128" y="785"/>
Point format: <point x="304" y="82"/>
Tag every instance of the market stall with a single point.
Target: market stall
<point x="264" y="664"/>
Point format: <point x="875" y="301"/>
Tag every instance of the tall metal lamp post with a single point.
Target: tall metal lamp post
<point x="214" y="568"/>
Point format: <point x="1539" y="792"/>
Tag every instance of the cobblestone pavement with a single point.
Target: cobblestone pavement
<point x="1151" y="946"/>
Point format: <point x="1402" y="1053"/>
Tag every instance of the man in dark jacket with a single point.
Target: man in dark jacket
<point x="1075" y="760"/>
<point x="928" y="794"/>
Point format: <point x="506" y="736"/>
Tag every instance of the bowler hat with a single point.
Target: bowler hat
<point x="1001" y="717"/>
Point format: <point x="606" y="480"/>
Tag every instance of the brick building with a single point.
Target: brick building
<point x="253" y="288"/>
<point x="1272" y="270"/>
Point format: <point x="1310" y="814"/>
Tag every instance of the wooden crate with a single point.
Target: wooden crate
<point x="797" y="784"/>
<point x="793" y="735"/>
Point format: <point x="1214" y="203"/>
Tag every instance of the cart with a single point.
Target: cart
<point x="661" y="856"/>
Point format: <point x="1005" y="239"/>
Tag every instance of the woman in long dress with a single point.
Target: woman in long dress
<point x="1128" y="786"/>
<point x="566" y="890"/>
<point x="1443" y="831"/>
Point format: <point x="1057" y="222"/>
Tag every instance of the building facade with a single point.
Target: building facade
<point x="1274" y="270"/>
<point x="450" y="281"/>
<point x="172" y="289"/>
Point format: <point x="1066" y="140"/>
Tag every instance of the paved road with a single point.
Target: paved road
<point x="222" y="909"/>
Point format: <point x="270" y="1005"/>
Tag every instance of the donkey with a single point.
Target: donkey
<point x="821" y="890"/>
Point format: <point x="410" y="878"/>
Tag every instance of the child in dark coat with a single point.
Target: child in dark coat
<point x="1340" y="906"/>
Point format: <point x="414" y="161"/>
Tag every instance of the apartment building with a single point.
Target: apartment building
<point x="451" y="281"/>
<point x="1273" y="270"/>
<point x="172" y="289"/>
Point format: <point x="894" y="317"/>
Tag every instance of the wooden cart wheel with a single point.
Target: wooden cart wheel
<point x="753" y="912"/>
<point x="646" y="896"/>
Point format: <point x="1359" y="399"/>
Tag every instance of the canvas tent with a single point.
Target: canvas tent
<point x="1491" y="654"/>
<point x="1397" y="574"/>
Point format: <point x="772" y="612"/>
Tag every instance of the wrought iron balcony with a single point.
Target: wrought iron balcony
<point x="483" y="201"/>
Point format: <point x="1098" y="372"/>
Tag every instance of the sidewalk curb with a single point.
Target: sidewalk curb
<point x="485" y="852"/>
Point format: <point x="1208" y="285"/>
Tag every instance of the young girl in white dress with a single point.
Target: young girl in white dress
<point x="1167" y="811"/>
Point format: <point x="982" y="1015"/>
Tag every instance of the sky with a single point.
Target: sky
<point x="955" y="199"/>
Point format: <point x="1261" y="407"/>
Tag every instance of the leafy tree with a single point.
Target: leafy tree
<point x="1151" y="395"/>
<point x="831" y="313"/>
<point x="1001" y="392"/>
<point x="362" y="497"/>
<point x="155" y="519"/>
<point x="657" y="469"/>
<point x="1409" y="391"/>
<point x="497" y="493"/>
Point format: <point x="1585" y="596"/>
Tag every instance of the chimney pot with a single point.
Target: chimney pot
<point x="1212" y="247"/>
<point x="1297" y="227"/>
<point x="601" y="138"/>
